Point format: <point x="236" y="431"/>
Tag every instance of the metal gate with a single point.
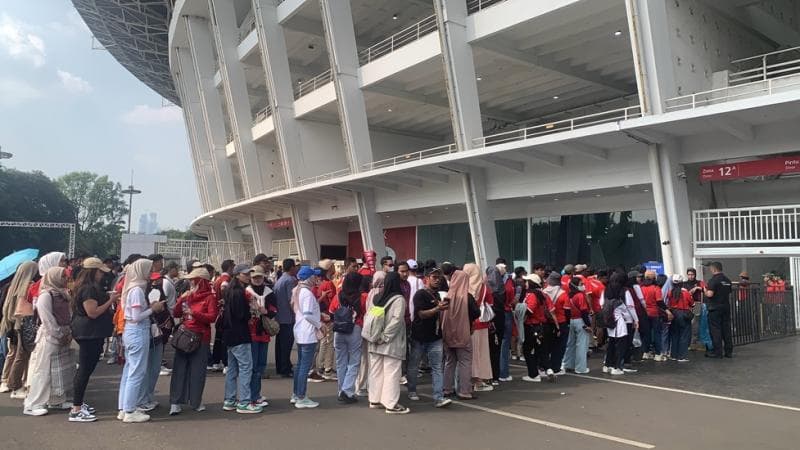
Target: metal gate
<point x="758" y="315"/>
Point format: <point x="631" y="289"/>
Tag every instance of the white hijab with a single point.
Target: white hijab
<point x="136" y="275"/>
<point x="49" y="261"/>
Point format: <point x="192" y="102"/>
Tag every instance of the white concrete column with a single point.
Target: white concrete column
<point x="232" y="233"/>
<point x="649" y="33"/>
<point x="481" y="223"/>
<point x="304" y="233"/>
<point x="337" y="20"/>
<point x="459" y="69"/>
<point x="262" y="235"/>
<point x="200" y="162"/>
<point x="676" y="199"/>
<point x="369" y="221"/>
<point x="662" y="214"/>
<point x="234" y="83"/>
<point x="202" y="59"/>
<point x="275" y="60"/>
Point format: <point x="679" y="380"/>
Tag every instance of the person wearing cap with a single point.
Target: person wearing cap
<point x="284" y="341"/>
<point x="198" y="309"/>
<point x="323" y="366"/>
<point x="262" y="303"/>
<point x="235" y="319"/>
<point x="680" y="303"/>
<point x="540" y="331"/>
<point x="265" y="263"/>
<point x="306" y="329"/>
<point x="92" y="323"/>
<point x="566" y="275"/>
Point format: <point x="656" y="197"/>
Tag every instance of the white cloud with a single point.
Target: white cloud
<point x="72" y="25"/>
<point x="73" y="83"/>
<point x="13" y="92"/>
<point x="19" y="41"/>
<point x="148" y="115"/>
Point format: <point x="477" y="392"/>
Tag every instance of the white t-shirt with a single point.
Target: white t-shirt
<point x="306" y="318"/>
<point x="136" y="305"/>
<point x="624" y="314"/>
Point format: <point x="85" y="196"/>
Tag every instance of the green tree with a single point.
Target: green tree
<point x="99" y="211"/>
<point x="32" y="197"/>
<point x="182" y="234"/>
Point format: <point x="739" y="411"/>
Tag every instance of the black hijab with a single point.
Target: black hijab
<point x="391" y="287"/>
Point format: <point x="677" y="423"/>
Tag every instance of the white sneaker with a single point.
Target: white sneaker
<point x="659" y="358"/>
<point x="522" y="358"/>
<point x="682" y="360"/>
<point x="147" y="407"/>
<point x="483" y="387"/>
<point x="164" y="371"/>
<point x="19" y="394"/>
<point x="225" y="370"/>
<point x="135" y="417"/>
<point x="4" y="388"/>
<point x="616" y="371"/>
<point x="174" y="410"/>
<point x="293" y="400"/>
<point x="507" y="379"/>
<point x="550" y="372"/>
<point x="403" y="380"/>
<point x="629" y="370"/>
<point x="306" y="403"/>
<point x="35" y="411"/>
<point x="200" y="408"/>
<point x="561" y="372"/>
<point x="606" y="369"/>
<point x="647" y="355"/>
<point x="582" y="372"/>
<point x="262" y="402"/>
<point x="538" y="379"/>
<point x="120" y="415"/>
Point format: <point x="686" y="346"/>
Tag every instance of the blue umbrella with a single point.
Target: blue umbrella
<point x="9" y="264"/>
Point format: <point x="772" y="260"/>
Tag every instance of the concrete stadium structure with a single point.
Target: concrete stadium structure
<point x="559" y="130"/>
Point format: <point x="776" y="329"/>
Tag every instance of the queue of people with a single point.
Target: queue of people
<point x="370" y="327"/>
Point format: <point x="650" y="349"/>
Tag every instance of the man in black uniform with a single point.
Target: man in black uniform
<point x="718" y="291"/>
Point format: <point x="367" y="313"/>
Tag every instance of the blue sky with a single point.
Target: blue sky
<point x="66" y="107"/>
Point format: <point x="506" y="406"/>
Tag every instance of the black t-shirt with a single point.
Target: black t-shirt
<point x="83" y="326"/>
<point x="425" y="330"/>
<point x="721" y="285"/>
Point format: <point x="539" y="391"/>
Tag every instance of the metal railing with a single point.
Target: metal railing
<point x="758" y="314"/>
<point x="262" y="192"/>
<point x="213" y="252"/>
<point x="729" y="93"/>
<point x="285" y="248"/>
<point x="399" y="39"/>
<point x="409" y="157"/>
<point x="764" y="225"/>
<point x="312" y="84"/>
<point x="574" y="123"/>
<point x="262" y="114"/>
<point x="474" y="6"/>
<point x="762" y="67"/>
<point x="324" y="176"/>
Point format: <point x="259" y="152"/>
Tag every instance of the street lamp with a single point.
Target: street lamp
<point x="130" y="191"/>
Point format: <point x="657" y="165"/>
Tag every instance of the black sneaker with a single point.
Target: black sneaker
<point x="398" y="409"/>
<point x="341" y="398"/>
<point x="81" y="416"/>
<point x="348" y="400"/>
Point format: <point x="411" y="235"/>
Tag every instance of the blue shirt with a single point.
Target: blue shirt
<point x="283" y="298"/>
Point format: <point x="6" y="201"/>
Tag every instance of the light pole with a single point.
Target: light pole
<point x="130" y="191"/>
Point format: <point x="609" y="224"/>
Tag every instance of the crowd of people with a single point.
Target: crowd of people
<point x="370" y="326"/>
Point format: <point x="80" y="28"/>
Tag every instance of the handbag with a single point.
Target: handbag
<point x="27" y="332"/>
<point x="271" y="326"/>
<point x="487" y="313"/>
<point x="185" y="340"/>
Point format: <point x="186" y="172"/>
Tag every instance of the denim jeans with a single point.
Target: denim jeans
<point x="305" y="355"/>
<point x="347" y="348"/>
<point x="577" y="346"/>
<point x="153" y="369"/>
<point x="434" y="352"/>
<point x="680" y="333"/>
<point x="240" y="370"/>
<point x="656" y="340"/>
<point x="136" y="339"/>
<point x="505" y="345"/>
<point x="665" y="342"/>
<point x="259" y="353"/>
<point x="3" y="349"/>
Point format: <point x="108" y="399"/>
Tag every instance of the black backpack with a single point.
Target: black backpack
<point x="343" y="320"/>
<point x="606" y="317"/>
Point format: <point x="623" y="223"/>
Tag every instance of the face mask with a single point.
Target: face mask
<point x="390" y="269"/>
<point x="581" y="288"/>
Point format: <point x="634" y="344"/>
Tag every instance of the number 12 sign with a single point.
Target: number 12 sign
<point x="761" y="167"/>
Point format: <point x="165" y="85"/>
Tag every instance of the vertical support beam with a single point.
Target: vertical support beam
<point x="275" y="60"/>
<point x="234" y="83"/>
<point x="676" y="199"/>
<point x="190" y="106"/>
<point x="202" y="57"/>
<point x="459" y="69"/>
<point x="342" y="51"/>
<point x="481" y="223"/>
<point x="304" y="233"/>
<point x="262" y="235"/>
<point x="369" y="221"/>
<point x="231" y="233"/>
<point x="649" y="33"/>
<point x="662" y="216"/>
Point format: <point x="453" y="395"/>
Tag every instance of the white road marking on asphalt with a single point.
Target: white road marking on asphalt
<point x="557" y="426"/>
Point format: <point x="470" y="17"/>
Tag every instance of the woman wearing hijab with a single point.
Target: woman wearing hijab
<point x="347" y="344"/>
<point x="17" y="309"/>
<point x="456" y="333"/>
<point x="386" y="358"/>
<point x="198" y="309"/>
<point x="136" y="336"/>
<point x="52" y="259"/>
<point x="53" y="338"/>
<point x="371" y="288"/>
<point x="481" y="362"/>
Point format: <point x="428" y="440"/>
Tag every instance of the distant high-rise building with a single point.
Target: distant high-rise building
<point x="148" y="223"/>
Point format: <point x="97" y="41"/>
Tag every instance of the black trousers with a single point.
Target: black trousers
<point x="284" y="342"/>
<point x="619" y="349"/>
<point x="219" y="353"/>
<point x="560" y="347"/>
<point x="188" y="378"/>
<point x="719" y="324"/>
<point x="496" y="340"/>
<point x="89" y="352"/>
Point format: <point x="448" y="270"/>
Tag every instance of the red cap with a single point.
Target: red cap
<point x="155" y="276"/>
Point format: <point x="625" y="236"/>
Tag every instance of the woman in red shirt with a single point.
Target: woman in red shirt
<point x="580" y="328"/>
<point x="198" y="310"/>
<point x="539" y="330"/>
<point x="680" y="302"/>
<point x="560" y="300"/>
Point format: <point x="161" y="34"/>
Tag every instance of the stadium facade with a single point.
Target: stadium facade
<point x="605" y="131"/>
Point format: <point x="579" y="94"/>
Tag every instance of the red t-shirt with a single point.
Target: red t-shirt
<point x="652" y="295"/>
<point x="565" y="279"/>
<point x="204" y="309"/>
<point x="325" y="301"/>
<point x="33" y="291"/>
<point x="579" y="305"/>
<point x="561" y="305"/>
<point x="487" y="297"/>
<point x="223" y="278"/>
<point x="596" y="287"/>
<point x="685" y="302"/>
<point x="509" y="288"/>
<point x="536" y="312"/>
<point x="359" y="320"/>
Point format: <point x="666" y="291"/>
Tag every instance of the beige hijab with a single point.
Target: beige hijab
<point x="17" y="289"/>
<point x="54" y="280"/>
<point x="377" y="286"/>
<point x="456" y="326"/>
<point x="136" y="275"/>
<point x="475" y="280"/>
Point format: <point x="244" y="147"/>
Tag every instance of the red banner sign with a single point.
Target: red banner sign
<point x="286" y="222"/>
<point x="757" y="168"/>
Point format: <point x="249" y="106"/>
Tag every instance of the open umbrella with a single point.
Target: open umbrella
<point x="9" y="264"/>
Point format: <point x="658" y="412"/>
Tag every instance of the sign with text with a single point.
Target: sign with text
<point x="757" y="168"/>
<point x="285" y="222"/>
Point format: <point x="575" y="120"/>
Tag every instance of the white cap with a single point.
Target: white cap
<point x="412" y="264"/>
